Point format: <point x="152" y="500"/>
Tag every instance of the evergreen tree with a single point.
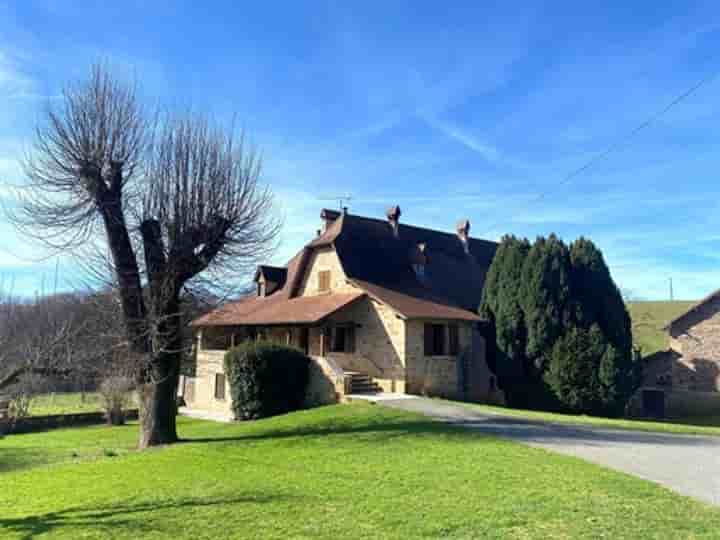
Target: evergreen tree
<point x="602" y="305"/>
<point x="574" y="369"/>
<point x="561" y="330"/>
<point x="501" y="306"/>
<point x="545" y="298"/>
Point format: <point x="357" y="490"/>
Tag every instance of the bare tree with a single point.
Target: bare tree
<point x="175" y="200"/>
<point x="35" y="340"/>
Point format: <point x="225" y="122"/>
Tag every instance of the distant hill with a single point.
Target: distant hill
<point x="648" y="320"/>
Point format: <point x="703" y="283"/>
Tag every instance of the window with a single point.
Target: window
<point x="324" y="280"/>
<point x="435" y="340"/>
<point x="343" y="339"/>
<point x="261" y="289"/>
<point x="220" y="386"/>
<point x="454" y="339"/>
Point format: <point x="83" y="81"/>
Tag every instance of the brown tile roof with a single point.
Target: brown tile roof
<point x="380" y="262"/>
<point x="412" y="307"/>
<point x="277" y="310"/>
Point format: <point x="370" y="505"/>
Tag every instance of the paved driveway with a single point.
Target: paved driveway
<point x="687" y="464"/>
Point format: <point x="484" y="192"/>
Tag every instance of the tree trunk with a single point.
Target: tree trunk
<point x="158" y="402"/>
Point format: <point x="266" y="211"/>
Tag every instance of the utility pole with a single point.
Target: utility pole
<point x="671" y="289"/>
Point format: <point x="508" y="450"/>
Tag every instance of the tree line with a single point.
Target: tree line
<point x="560" y="332"/>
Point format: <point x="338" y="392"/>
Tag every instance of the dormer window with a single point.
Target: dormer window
<point x="419" y="260"/>
<point x="261" y="289"/>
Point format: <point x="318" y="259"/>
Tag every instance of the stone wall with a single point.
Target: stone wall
<point x="433" y="375"/>
<point x="326" y="384"/>
<point x="209" y="363"/>
<point x="697" y="340"/>
<point x="379" y="343"/>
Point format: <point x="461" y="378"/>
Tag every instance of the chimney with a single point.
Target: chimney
<point x="463" y="232"/>
<point x="393" y="215"/>
<point x="328" y="216"/>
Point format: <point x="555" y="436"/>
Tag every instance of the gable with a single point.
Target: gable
<point x="323" y="263"/>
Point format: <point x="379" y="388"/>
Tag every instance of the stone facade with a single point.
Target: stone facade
<point x="208" y="364"/>
<point x="696" y="339"/>
<point x="324" y="259"/>
<point x="388" y="347"/>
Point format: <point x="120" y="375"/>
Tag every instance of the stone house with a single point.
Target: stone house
<point x="684" y="379"/>
<point x="377" y="304"/>
<point x="694" y="344"/>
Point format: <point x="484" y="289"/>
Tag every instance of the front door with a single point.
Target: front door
<point x="305" y="340"/>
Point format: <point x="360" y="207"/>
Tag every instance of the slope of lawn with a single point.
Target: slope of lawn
<point x="648" y="320"/>
<point x="347" y="471"/>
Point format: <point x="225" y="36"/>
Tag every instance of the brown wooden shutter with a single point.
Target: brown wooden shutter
<point x="428" y="340"/>
<point x="324" y="280"/>
<point x="219" y="386"/>
<point x="453" y="334"/>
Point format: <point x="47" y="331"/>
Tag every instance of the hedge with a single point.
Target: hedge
<point x="266" y="379"/>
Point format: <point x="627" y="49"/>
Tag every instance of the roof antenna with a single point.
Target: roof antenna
<point x="343" y="200"/>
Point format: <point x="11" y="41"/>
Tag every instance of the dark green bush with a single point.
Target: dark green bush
<point x="562" y="332"/>
<point x="266" y="379"/>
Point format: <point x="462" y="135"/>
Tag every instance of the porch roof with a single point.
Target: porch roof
<point x="271" y="310"/>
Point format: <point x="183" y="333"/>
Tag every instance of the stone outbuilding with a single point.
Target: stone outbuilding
<point x="377" y="304"/>
<point x="686" y="376"/>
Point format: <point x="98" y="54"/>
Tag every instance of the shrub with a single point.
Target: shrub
<point x="266" y="379"/>
<point x="562" y="334"/>
<point x="115" y="393"/>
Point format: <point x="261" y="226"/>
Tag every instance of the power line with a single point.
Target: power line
<point x="620" y="142"/>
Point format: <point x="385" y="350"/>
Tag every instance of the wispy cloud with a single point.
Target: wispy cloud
<point x="487" y="151"/>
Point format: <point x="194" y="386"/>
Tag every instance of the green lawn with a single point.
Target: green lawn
<point x="65" y="403"/>
<point x="648" y="320"/>
<point x="346" y="471"/>
<point x="689" y="426"/>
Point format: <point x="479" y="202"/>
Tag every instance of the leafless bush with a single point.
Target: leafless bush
<point x="116" y="392"/>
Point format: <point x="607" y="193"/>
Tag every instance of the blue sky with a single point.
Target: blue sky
<point x="451" y="110"/>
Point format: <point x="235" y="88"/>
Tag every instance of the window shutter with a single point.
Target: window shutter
<point x="324" y="280"/>
<point x="219" y="386"/>
<point x="454" y="339"/>
<point x="428" y="340"/>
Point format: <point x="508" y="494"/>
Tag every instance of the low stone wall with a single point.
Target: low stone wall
<point x="55" y="421"/>
<point x="326" y="384"/>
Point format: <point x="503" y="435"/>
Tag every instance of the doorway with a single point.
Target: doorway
<point x="305" y="340"/>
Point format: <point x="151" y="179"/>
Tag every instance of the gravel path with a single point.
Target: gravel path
<point x="687" y="464"/>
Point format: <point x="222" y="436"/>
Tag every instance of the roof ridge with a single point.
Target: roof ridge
<point x="692" y="308"/>
<point x="416" y="227"/>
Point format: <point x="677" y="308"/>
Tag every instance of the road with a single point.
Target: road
<point x="687" y="464"/>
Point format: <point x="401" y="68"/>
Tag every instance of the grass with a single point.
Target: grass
<point x="686" y="426"/>
<point x="346" y="471"/>
<point x="65" y="403"/>
<point x="648" y="320"/>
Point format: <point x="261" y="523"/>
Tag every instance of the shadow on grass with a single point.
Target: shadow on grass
<point x="15" y="459"/>
<point x="466" y="424"/>
<point x="119" y="515"/>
